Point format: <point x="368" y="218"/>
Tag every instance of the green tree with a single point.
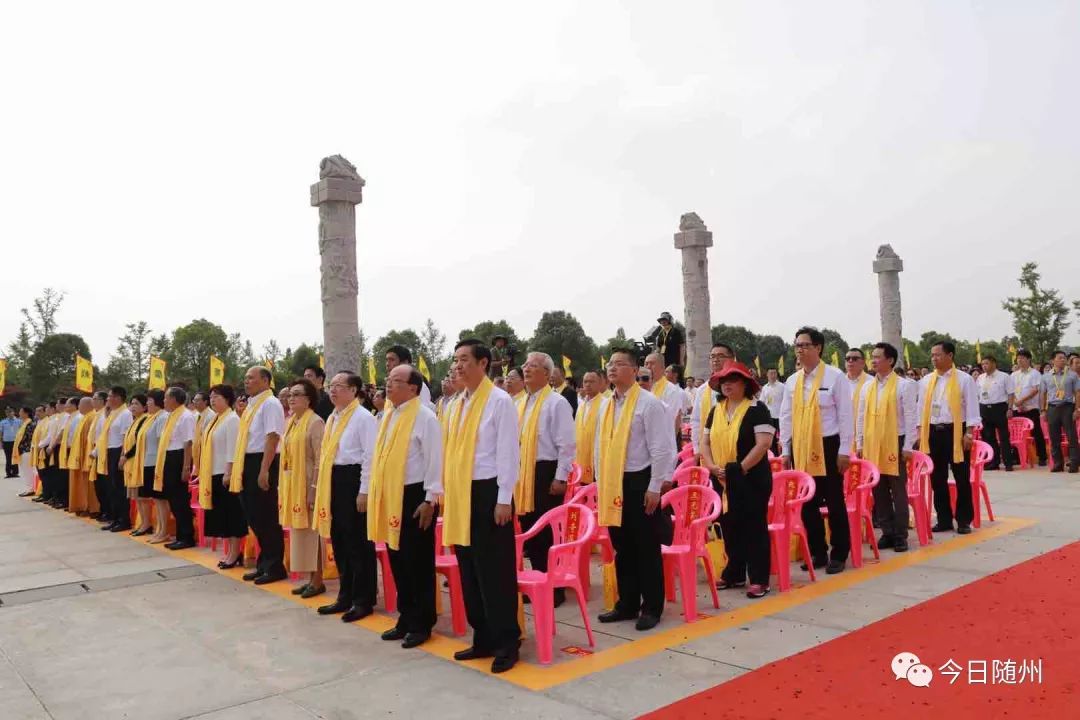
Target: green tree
<point x="42" y="320"/>
<point x="132" y="357"/>
<point x="18" y="356"/>
<point x="559" y="333"/>
<point x="52" y="366"/>
<point x="1040" y="317"/>
<point x="296" y="360"/>
<point x="406" y="338"/>
<point x="770" y="348"/>
<point x="190" y="350"/>
<point x="743" y="341"/>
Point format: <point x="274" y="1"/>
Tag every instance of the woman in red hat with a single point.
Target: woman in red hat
<point x="734" y="448"/>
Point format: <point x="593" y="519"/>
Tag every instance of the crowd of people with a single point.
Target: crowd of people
<point x="350" y="465"/>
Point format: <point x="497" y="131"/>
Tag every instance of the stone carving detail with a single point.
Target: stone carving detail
<point x="888" y="266"/>
<point x="337" y="250"/>
<point x="693" y="241"/>
<point x="691" y="221"/>
<point x="336" y="166"/>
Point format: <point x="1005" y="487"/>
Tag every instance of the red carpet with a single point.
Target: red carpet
<point x="1024" y="613"/>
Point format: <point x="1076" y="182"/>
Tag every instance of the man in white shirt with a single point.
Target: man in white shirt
<point x="412" y="561"/>
<point x="101" y="480"/>
<point x="667" y="392"/>
<point x="43" y="446"/>
<point x="354" y="553"/>
<point x="995" y="396"/>
<point x="650" y="459"/>
<point x="265" y="422"/>
<point x="177" y="470"/>
<point x="552" y="451"/>
<point x="1027" y="399"/>
<point x="400" y="355"/>
<point x="830" y="389"/>
<point x="942" y="437"/>
<point x="115" y="426"/>
<point x="58" y="487"/>
<point x="772" y="394"/>
<point x="890" y="494"/>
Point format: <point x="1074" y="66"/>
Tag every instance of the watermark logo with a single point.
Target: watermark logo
<point x="907" y="666"/>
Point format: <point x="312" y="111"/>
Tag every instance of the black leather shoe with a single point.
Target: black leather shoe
<point x="1008" y="468"/>
<point x="941" y="527"/>
<point x="108" y="528"/>
<point x="818" y="564"/>
<point x="647" y="622"/>
<point x="249" y="576"/>
<point x="140" y="533"/>
<point x="415" y="639"/>
<point x="900" y="546"/>
<point x="333" y="608"/>
<point x="1074" y="468"/>
<point x="184" y="545"/>
<point x="222" y="565"/>
<point x="473" y="653"/>
<point x="834" y="567"/>
<point x="300" y="589"/>
<point x="261" y="580"/>
<point x="39" y="499"/>
<point x="885" y="542"/>
<point x="357" y="612"/>
<point x="616" y="615"/>
<point x="502" y="663"/>
<point x="1042" y="463"/>
<point x="1057" y="468"/>
<point x="118" y="527"/>
<point x="311" y="591"/>
<point x="963" y="530"/>
<point x="394" y="633"/>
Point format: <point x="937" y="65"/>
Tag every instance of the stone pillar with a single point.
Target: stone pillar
<point x="338" y="192"/>
<point x="888" y="266"/>
<point x="694" y="240"/>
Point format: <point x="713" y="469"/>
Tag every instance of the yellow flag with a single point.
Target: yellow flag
<point x="757" y="364"/>
<point x="421" y="365"/>
<point x="907" y="357"/>
<point x="1012" y="352"/>
<point x="157" y="374"/>
<point x="3" y="375"/>
<point x="322" y="362"/>
<point x="566" y="366"/>
<point x="217" y="371"/>
<point x="978" y="352"/>
<point x="603" y="363"/>
<point x="780" y="366"/>
<point x="835" y="359"/>
<point x="269" y="365"/>
<point x="84" y="374"/>
<point x="371" y="370"/>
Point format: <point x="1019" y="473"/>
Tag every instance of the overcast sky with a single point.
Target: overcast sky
<point x="155" y="160"/>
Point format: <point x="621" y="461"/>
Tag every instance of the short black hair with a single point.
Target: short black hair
<point x="74" y="401"/>
<point x="319" y="372"/>
<point x="856" y="349"/>
<point x="119" y="391"/>
<point x="477" y="349"/>
<point x="946" y="346"/>
<point x="1058" y="352"/>
<point x="357" y="383"/>
<point x="416" y="380"/>
<point x="628" y="353"/>
<point x="27" y="410"/>
<point x="725" y="346"/>
<point x="518" y="370"/>
<point x="310" y="392"/>
<point x="139" y="398"/>
<point x="1072" y="355"/>
<point x="101" y="395"/>
<point x="61" y="401"/>
<point x="889" y="351"/>
<point x="991" y="358"/>
<point x="158" y="396"/>
<point x="402" y="353"/>
<point x="265" y="372"/>
<point x="225" y="391"/>
<point x="177" y="394"/>
<point x="1023" y="352"/>
<point x="816" y="336"/>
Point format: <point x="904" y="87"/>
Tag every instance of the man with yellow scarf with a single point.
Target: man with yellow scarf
<point x="58" y="451"/>
<point x="585" y="424"/>
<point x="948" y="410"/>
<point x="884" y="435"/>
<point x="173" y="469"/>
<point x="546" y="431"/>
<point x="705" y="397"/>
<point x="399" y="497"/>
<point x="99" y="480"/>
<point x="480" y="472"/>
<point x="635" y="457"/>
<point x="71" y="452"/>
<point x="668" y="393"/>
<point x="110" y="446"/>
<point x="44" y="451"/>
<point x="816" y="430"/>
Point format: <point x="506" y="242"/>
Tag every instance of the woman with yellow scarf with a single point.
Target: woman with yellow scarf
<point x="129" y="467"/>
<point x="224" y="515"/>
<point x="21" y="454"/>
<point x="300" y="450"/>
<point x="734" y="448"/>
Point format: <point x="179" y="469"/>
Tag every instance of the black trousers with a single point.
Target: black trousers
<point x="413" y="565"/>
<point x="119" y="504"/>
<point x="489" y="574"/>
<point x="353" y="552"/>
<point x="536" y="549"/>
<point x="1058" y="418"/>
<point x="48" y="476"/>
<point x="828" y="492"/>
<point x="639" y="567"/>
<point x="1036" y="433"/>
<point x="103" y="488"/>
<point x="995" y="433"/>
<point x="10" y="468"/>
<point x="260" y="507"/>
<point x="941" y="452"/>
<point x="746" y="525"/>
<point x="776" y="450"/>
<point x="60" y="478"/>
<point x="890" y="500"/>
<point x="175" y="487"/>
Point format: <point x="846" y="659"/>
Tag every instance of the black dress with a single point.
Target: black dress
<point x="226" y="519"/>
<point x="745" y="526"/>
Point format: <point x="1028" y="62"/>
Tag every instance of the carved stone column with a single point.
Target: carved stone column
<point x="888" y="267"/>
<point x="694" y="240"/>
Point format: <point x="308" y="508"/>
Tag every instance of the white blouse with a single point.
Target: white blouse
<point x="225" y="431"/>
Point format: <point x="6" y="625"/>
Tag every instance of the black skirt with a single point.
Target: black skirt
<point x="147" y="489"/>
<point x="226" y="519"/>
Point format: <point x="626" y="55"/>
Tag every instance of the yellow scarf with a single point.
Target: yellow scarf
<point x="206" y="462"/>
<point x="558" y="389"/>
<point x="706" y="406"/>
<point x="614" y="440"/>
<point x="881" y="436"/>
<point x="658" y="388"/>
<point x="331" y="438"/>
<point x="102" y="443"/>
<point x="293" y="510"/>
<point x="15" y="455"/>
<point x="519" y="397"/>
<point x="73" y="447"/>
<point x="584" y="437"/>
<point x="724" y="435"/>
<point x="528" y="434"/>
<point x="163" y="447"/>
<point x="856" y="393"/>
<point x="36" y="453"/>
<point x="952" y="395"/>
<point x="387" y="488"/>
<point x="136" y="438"/>
<point x="196" y="445"/>
<point x="807" y="447"/>
<point x="459" y="457"/>
<point x="87" y="443"/>
<point x="236" y="480"/>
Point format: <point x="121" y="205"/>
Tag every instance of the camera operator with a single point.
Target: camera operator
<point x="669" y="341"/>
<point x="502" y="356"/>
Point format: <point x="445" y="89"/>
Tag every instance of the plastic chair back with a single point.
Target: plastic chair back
<point x="573" y="481"/>
<point x="693" y="475"/>
<point x="696" y="507"/>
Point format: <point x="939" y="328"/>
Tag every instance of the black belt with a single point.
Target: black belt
<point x="992" y="405"/>
<point x="1062" y="404"/>
<point x="352" y="465"/>
<point x="941" y="426"/>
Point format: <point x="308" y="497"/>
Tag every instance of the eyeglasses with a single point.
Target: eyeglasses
<point x="644" y="378"/>
<point x="617" y="364"/>
<point x="853" y="358"/>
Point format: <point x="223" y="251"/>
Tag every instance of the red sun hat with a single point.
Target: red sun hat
<point x="735" y="368"/>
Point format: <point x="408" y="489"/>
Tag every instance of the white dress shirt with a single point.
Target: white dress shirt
<point x="72" y="426"/>
<point x="772" y="394"/>
<point x="1024" y="381"/>
<point x="650" y="443"/>
<point x="95" y="432"/>
<point x="153" y="436"/>
<point x="695" y="414"/>
<point x="423" y="462"/>
<point x="183" y="430"/>
<point x="498" y="452"/>
<point x="357" y="442"/>
<point x="268" y="419"/>
<point x="224" y="442"/>
<point x="834" y="399"/>
<point x="994" y="388"/>
<point x="940" y="412"/>
<point x="58" y="430"/>
<point x="672" y="398"/>
<point x="906" y="409"/>
<point x="554" y="432"/>
<point x="119" y="428"/>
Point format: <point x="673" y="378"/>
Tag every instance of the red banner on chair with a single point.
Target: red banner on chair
<point x="693" y="505"/>
<point x="573" y="523"/>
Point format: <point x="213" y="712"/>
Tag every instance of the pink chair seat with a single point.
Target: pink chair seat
<point x="696" y="507"/>
<point x="446" y="564"/>
<point x="791" y="490"/>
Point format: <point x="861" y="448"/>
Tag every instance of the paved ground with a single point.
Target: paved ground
<point x="99" y="625"/>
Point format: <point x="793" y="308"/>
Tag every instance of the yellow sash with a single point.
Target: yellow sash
<point x="87" y="443"/>
<point x="163" y="447"/>
<point x="293" y="510"/>
<point x="881" y="437"/>
<point x="528" y="434"/>
<point x="614" y="440"/>
<point x="15" y="455"/>
<point x="807" y="448"/>
<point x="459" y="457"/>
<point x="236" y="480"/>
<point x="520" y="397"/>
<point x="74" y="446"/>
<point x="102" y="443"/>
<point x="331" y="438"/>
<point x="196" y="445"/>
<point x="952" y="395"/>
<point x="37" y="455"/>
<point x="658" y="388"/>
<point x="387" y="489"/>
<point x="585" y="436"/>
<point x="706" y="406"/>
<point x="136" y="437"/>
<point x="206" y="462"/>
<point x="724" y="435"/>
<point x="856" y="393"/>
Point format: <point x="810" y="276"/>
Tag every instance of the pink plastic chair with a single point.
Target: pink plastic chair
<point x="696" y="508"/>
<point x="389" y="587"/>
<point x="573" y="527"/>
<point x="573" y="482"/>
<point x="687" y="463"/>
<point x="686" y="453"/>
<point x="694" y="475"/>
<point x="1020" y="436"/>
<point x="861" y="479"/>
<point x="981" y="454"/>
<point x="200" y="518"/>
<point x="446" y="564"/>
<point x="791" y="490"/>
<point x="586" y="495"/>
<point x="918" y="491"/>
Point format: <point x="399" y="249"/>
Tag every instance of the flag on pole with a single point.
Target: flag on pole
<point x="780" y="366"/>
<point x="421" y="365"/>
<point x="1012" y="352"/>
<point x="3" y="375"/>
<point x="322" y="361"/>
<point x="157" y="374"/>
<point x="217" y="371"/>
<point x="757" y="364"/>
<point x="371" y="370"/>
<point x="835" y="359"/>
<point x="603" y="363"/>
<point x="566" y="366"/>
<point x="978" y="352"/>
<point x="84" y="374"/>
<point x="269" y="365"/>
<point x="907" y="356"/>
